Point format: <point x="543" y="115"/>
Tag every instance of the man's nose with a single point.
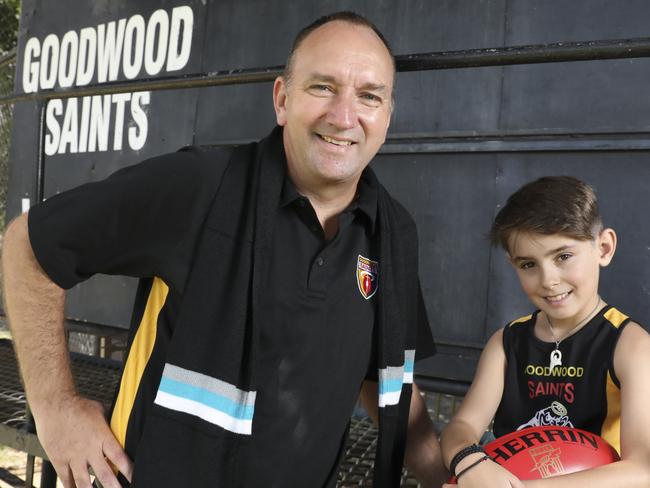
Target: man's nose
<point x="342" y="112"/>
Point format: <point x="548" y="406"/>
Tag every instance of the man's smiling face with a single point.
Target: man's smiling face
<point x="336" y="106"/>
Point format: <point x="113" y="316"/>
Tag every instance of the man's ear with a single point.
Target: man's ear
<point x="606" y="243"/>
<point x="280" y="100"/>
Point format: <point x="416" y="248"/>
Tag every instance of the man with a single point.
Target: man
<point x="278" y="279"/>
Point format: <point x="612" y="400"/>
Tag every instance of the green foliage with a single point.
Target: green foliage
<point x="8" y="24"/>
<point x="8" y="37"/>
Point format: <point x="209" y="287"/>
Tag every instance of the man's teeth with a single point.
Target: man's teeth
<point x="557" y="298"/>
<point x="336" y="141"/>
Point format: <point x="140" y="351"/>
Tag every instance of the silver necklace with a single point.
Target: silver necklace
<point x="556" y="354"/>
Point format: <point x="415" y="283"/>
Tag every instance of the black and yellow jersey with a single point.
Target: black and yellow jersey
<point x="583" y="392"/>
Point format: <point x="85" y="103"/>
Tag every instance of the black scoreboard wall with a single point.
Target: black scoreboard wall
<point x="460" y="140"/>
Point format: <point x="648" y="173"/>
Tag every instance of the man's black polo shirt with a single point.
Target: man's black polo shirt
<point x="316" y="344"/>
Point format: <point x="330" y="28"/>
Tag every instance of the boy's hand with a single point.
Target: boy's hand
<point x="487" y="474"/>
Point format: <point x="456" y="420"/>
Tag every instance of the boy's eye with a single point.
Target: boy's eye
<point x="527" y="265"/>
<point x="563" y="257"/>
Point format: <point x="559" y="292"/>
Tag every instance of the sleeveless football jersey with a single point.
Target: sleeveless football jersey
<point x="583" y="392"/>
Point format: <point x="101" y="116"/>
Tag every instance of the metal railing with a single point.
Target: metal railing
<point x="558" y="52"/>
<point x="472" y="58"/>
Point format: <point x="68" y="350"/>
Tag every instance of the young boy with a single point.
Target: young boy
<point x="576" y="361"/>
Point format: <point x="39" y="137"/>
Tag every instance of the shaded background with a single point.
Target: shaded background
<point x="460" y="141"/>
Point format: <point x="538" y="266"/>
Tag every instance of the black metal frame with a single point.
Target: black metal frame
<point x="558" y="52"/>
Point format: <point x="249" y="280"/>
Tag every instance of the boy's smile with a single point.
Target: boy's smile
<point x="559" y="273"/>
<point x="557" y="299"/>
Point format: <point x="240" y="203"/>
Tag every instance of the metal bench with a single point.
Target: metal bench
<point x="97" y="378"/>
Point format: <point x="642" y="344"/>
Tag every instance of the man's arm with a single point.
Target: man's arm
<point x="423" y="457"/>
<point x="72" y="429"/>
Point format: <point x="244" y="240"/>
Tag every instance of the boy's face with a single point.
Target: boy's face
<point x="559" y="273"/>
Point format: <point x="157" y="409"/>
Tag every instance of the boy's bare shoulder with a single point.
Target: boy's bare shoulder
<point x="633" y="332"/>
<point x="632" y="349"/>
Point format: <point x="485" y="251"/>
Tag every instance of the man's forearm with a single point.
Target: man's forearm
<point x="423" y="455"/>
<point x="34" y="305"/>
<point x="72" y="430"/>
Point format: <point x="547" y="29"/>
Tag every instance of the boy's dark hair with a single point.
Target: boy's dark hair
<point x="549" y="205"/>
<point x="345" y="16"/>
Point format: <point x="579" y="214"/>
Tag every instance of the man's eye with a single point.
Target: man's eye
<point x="371" y="99"/>
<point x="318" y="88"/>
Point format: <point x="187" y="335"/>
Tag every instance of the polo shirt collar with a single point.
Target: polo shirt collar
<point x="365" y="201"/>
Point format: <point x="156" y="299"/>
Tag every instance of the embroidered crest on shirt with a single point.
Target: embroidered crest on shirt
<point x="367" y="272"/>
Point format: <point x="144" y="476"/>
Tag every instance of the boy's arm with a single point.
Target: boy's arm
<point x="423" y="457"/>
<point x="72" y="429"/>
<point x="632" y="365"/>
<point x="474" y="416"/>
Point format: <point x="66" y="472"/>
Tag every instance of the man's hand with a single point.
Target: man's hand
<point x="73" y="430"/>
<point x="76" y="436"/>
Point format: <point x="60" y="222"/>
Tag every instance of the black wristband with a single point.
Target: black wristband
<point x="462" y="454"/>
<point x="475" y="463"/>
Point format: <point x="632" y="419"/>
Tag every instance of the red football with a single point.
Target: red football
<point x="541" y="452"/>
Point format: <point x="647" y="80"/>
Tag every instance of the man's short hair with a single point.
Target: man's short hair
<point x="549" y="205"/>
<point x="344" y="16"/>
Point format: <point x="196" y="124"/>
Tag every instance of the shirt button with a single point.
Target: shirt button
<point x="320" y="261"/>
<point x="302" y="202"/>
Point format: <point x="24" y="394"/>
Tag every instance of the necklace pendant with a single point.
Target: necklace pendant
<point x="556" y="358"/>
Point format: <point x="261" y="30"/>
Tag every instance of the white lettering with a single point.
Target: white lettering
<point x="119" y="100"/>
<point x="109" y="50"/>
<point x="49" y="61"/>
<point x="164" y="41"/>
<point x="133" y="46"/>
<point x="100" y="120"/>
<point x="54" y="108"/>
<point x="30" y="68"/>
<point x="138" y="136"/>
<point x="101" y="51"/>
<point x="83" y="131"/>
<point x="87" y="52"/>
<point x="177" y="59"/>
<point x="154" y="60"/>
<point x="68" y="61"/>
<point x="70" y="129"/>
<point x="87" y="129"/>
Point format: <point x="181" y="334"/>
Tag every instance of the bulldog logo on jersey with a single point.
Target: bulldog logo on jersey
<point x="367" y="272"/>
